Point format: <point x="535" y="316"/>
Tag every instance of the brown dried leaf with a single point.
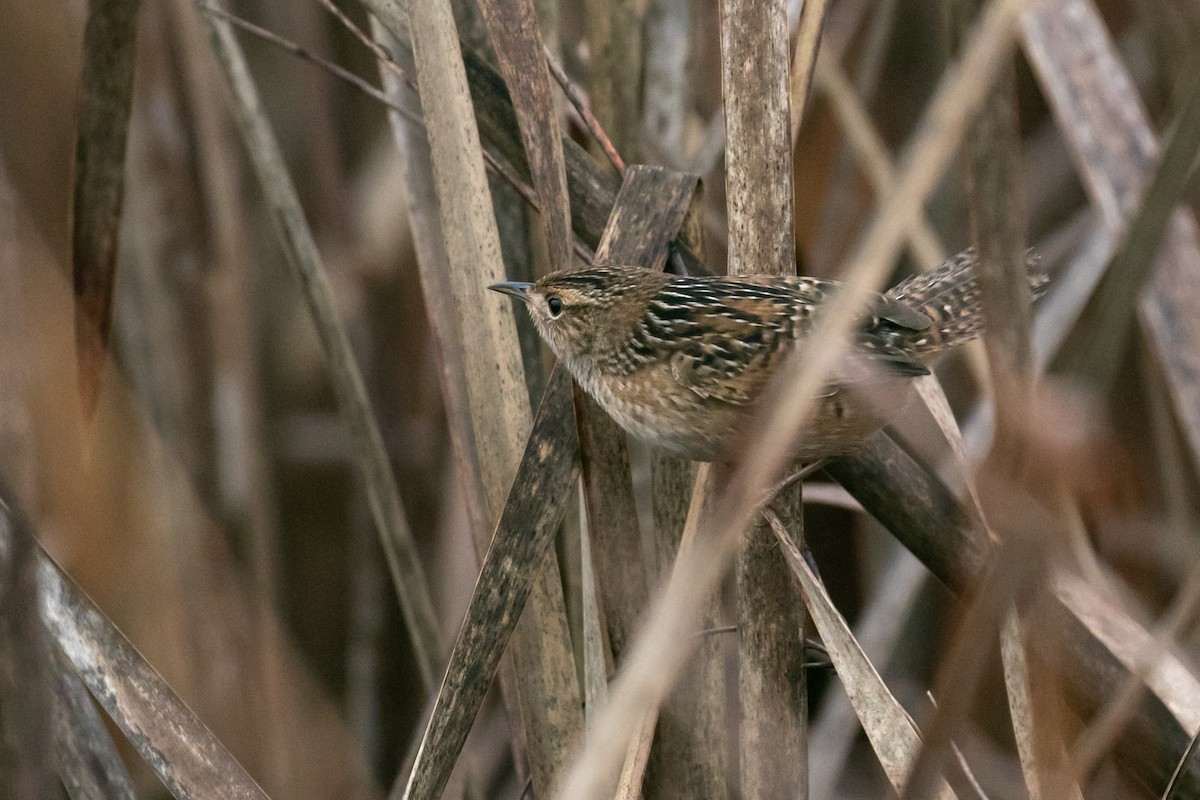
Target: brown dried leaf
<point x="189" y="760"/>
<point x="891" y="731"/>
<point x="540" y="493"/>
<point x="513" y="29"/>
<point x="105" y="99"/>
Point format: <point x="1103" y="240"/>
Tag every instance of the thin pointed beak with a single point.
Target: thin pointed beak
<point x="518" y="289"/>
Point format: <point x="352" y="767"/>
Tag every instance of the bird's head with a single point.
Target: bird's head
<point x="584" y="312"/>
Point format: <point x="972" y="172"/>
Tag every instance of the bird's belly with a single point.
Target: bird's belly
<point x="654" y="407"/>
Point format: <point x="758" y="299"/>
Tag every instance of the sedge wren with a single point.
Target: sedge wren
<point x="680" y="361"/>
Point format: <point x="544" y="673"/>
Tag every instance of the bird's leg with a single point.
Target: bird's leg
<point x="805" y="471"/>
<point x="815" y="654"/>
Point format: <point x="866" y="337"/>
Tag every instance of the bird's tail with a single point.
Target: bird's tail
<point x="949" y="295"/>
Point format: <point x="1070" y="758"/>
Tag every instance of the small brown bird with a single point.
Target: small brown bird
<point x="680" y="361"/>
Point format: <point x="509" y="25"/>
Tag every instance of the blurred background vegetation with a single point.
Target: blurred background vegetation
<point x="212" y="507"/>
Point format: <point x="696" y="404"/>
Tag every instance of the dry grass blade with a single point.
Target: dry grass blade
<point x="1017" y="682"/>
<point x="1146" y="660"/>
<point x="26" y="691"/>
<point x="1102" y="641"/>
<point x="89" y="764"/>
<point x="591" y="187"/>
<point x="758" y="173"/>
<point x="880" y="628"/>
<point x="584" y="110"/>
<point x="804" y="59"/>
<point x="758" y="178"/>
<point x="1033" y="707"/>
<point x="614" y="31"/>
<point x="105" y="99"/>
<point x="962" y="668"/>
<point x="18" y="466"/>
<point x="301" y="250"/>
<point x="771" y="674"/>
<point x="473" y="253"/>
<point x="1094" y="101"/>
<point x="1097" y="739"/>
<point x="434" y="270"/>
<point x="889" y="728"/>
<point x="629" y="785"/>
<point x="513" y="29"/>
<point x="827" y="493"/>
<point x="338" y="72"/>
<point x="1173" y="786"/>
<point x="691" y="740"/>
<point x="930" y="390"/>
<point x="541" y="490"/>
<point x="1106" y="318"/>
<point x="1109" y="134"/>
<point x="473" y="250"/>
<point x="596" y="654"/>
<point x="184" y="754"/>
<point x="646" y="216"/>
<point x="917" y="508"/>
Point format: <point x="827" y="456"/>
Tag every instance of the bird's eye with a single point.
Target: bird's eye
<point x="555" y="305"/>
